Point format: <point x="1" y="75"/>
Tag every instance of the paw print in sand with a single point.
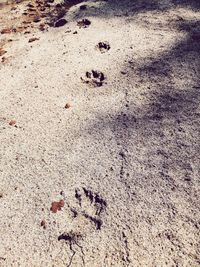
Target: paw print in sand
<point x="103" y="47"/>
<point x="91" y="206"/>
<point x="94" y="78"/>
<point x="86" y="213"/>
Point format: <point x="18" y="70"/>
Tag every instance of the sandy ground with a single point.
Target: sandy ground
<point x="123" y="157"/>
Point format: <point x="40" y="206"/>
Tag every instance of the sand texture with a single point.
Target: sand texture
<point x="100" y="133"/>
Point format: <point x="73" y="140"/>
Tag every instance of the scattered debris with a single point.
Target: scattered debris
<point x="103" y="46"/>
<point x="60" y="23"/>
<point x="84" y="23"/>
<point x="55" y="206"/>
<point x="33" y="39"/>
<point x="94" y="78"/>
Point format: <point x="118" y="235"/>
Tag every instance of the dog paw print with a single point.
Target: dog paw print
<point x="103" y="47"/>
<point x="94" y="78"/>
<point x="91" y="206"/>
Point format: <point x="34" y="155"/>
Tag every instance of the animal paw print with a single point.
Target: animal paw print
<point x="91" y="206"/>
<point x="94" y="78"/>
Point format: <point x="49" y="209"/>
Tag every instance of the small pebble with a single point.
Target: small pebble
<point x="12" y="122"/>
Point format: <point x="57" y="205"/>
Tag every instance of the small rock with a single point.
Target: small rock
<point x="67" y="106"/>
<point x="12" y="122"/>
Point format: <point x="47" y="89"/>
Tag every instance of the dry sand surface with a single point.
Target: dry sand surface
<point x="99" y="133"/>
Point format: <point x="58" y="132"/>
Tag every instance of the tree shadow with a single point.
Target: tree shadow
<point x="192" y="3"/>
<point x="112" y="8"/>
<point x="173" y="107"/>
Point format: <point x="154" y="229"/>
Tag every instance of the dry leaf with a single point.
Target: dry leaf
<point x="55" y="206"/>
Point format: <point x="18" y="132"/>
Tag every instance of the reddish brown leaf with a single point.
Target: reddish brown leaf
<point x="55" y="206"/>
